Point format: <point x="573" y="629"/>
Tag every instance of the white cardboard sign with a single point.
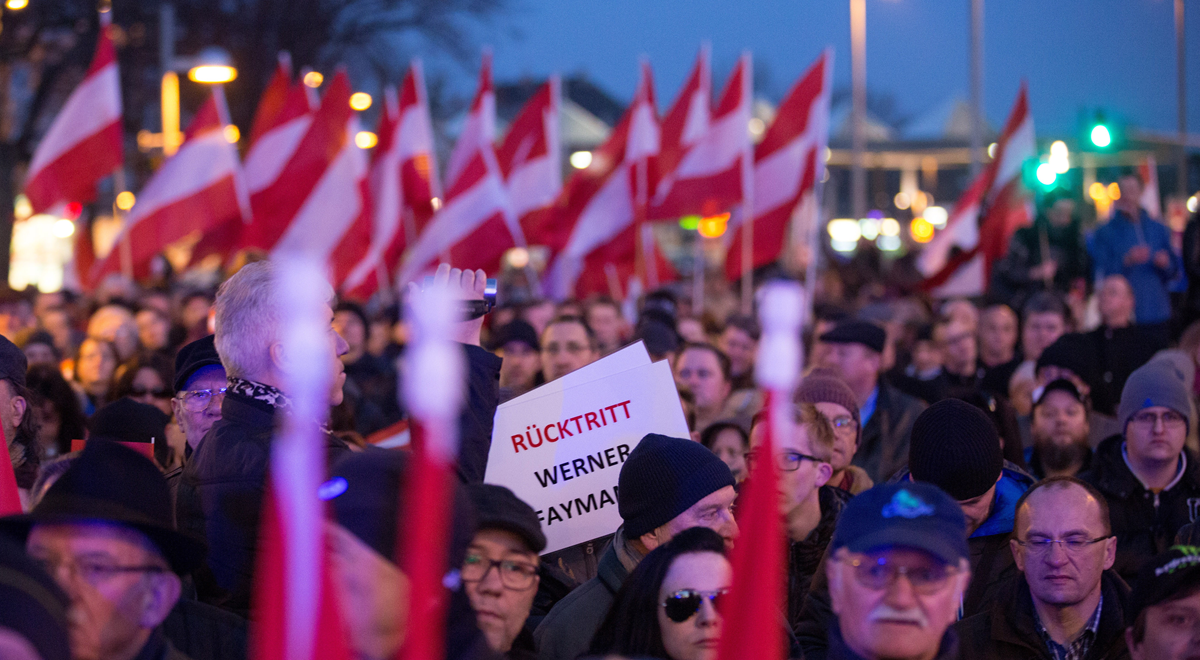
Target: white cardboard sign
<point x="562" y="452"/>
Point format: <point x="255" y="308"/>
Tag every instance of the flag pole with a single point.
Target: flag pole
<point x="698" y="268"/>
<point x="126" y="250"/>
<point x="748" y="202"/>
<point x="814" y="229"/>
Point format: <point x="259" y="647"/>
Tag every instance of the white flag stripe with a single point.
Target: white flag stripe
<point x="93" y="106"/>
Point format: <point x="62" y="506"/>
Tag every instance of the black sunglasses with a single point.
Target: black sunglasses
<point x="156" y="392"/>
<point x="683" y="604"/>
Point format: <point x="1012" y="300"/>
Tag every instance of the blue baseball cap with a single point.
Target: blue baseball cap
<point x="908" y="515"/>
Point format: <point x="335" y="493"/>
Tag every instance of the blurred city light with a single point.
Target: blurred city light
<point x="17" y="5"/>
<point x="713" y="226"/>
<point x="992" y="150"/>
<point x="360" y="101"/>
<point x="888" y="243"/>
<point x="518" y="257"/>
<point x="313" y="79"/>
<point x="757" y="126"/>
<point x="1046" y="174"/>
<point x="581" y="159"/>
<point x="689" y="222"/>
<point x="1097" y="191"/>
<point x="232" y="134"/>
<point x="64" y="228"/>
<point x="365" y="139"/>
<point x="1101" y="137"/>
<point x="844" y="234"/>
<point x="125" y="200"/>
<point x="869" y="228"/>
<point x="1193" y="203"/>
<point x="937" y="216"/>
<point x="901" y="200"/>
<point x="1114" y="191"/>
<point x="1060" y="157"/>
<point x="921" y="229"/>
<point x="889" y="227"/>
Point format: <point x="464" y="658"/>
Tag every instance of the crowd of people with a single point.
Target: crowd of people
<point x="1011" y="477"/>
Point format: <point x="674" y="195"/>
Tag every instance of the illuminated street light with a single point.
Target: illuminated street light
<point x="1101" y="137"/>
<point x="844" y="234"/>
<point x="125" y="200"/>
<point x="365" y="139"/>
<point x="1060" y="157"/>
<point x="64" y="228"/>
<point x="212" y="66"/>
<point x="581" y="159"/>
<point x="713" y="226"/>
<point x="360" y="101"/>
<point x="313" y="79"/>
<point x="17" y="5"/>
<point x="1193" y="203"/>
<point x="921" y="229"/>
<point x="937" y="216"/>
<point x="232" y="134"/>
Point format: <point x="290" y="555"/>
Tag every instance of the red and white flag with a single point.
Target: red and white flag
<point x="477" y="223"/>
<point x="403" y="184"/>
<point x="434" y="395"/>
<point x="710" y="178"/>
<point x="685" y="123"/>
<point x="283" y="116"/>
<point x="593" y="235"/>
<point x="197" y="189"/>
<point x="285" y="190"/>
<point x="83" y="144"/>
<point x="295" y="610"/>
<point x="531" y="156"/>
<point x="786" y="168"/>
<point x="958" y="261"/>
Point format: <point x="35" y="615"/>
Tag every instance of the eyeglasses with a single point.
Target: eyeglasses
<point x="1170" y="419"/>
<point x="515" y="575"/>
<point x="156" y="392"/>
<point x="843" y="422"/>
<point x="1040" y="546"/>
<point x="788" y="461"/>
<point x="199" y="400"/>
<point x="92" y="571"/>
<point x="879" y="573"/>
<point x="683" y="604"/>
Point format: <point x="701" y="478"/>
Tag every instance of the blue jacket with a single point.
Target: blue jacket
<point x="1109" y="244"/>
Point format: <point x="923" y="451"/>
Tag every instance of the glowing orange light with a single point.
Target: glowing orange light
<point x="1114" y="191"/>
<point x="713" y="226"/>
<point x="921" y="229"/>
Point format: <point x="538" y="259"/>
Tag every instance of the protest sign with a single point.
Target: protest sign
<point x="562" y="452"/>
<point x="633" y="355"/>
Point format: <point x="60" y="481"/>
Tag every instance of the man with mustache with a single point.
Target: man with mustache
<point x="1069" y="604"/>
<point x="897" y="573"/>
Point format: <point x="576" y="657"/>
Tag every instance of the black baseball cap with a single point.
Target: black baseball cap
<point x="1167" y="577"/>
<point x="857" y="332"/>
<point x="1058" y="385"/>
<point x="909" y="515"/>
<point x="194" y="357"/>
<point x="518" y="331"/>
<point x="496" y="507"/>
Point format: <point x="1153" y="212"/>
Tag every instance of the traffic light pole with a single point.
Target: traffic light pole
<point x="976" y="86"/>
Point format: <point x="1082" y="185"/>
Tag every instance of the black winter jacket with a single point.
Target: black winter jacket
<point x="804" y="557"/>
<point x="220" y="497"/>
<point x="1143" y="522"/>
<point x="1008" y="630"/>
<point x="883" y="449"/>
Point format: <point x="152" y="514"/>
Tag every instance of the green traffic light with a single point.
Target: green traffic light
<point x="1101" y="137"/>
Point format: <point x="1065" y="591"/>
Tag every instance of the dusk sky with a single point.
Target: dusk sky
<point x="1119" y="54"/>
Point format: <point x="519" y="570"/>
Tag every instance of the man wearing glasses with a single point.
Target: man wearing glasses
<point x="1069" y="605"/>
<point x="501" y="568"/>
<point x="1151" y="483"/>
<point x="103" y="531"/>
<point x="199" y="390"/>
<point x="567" y="344"/>
<point x="809" y="507"/>
<point x="897" y="571"/>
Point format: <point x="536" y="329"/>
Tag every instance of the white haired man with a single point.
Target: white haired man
<point x="220" y="493"/>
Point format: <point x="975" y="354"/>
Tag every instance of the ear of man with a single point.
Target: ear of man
<point x="161" y="593"/>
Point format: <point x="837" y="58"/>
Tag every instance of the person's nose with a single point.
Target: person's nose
<point x="900" y="594"/>
<point x="707" y="615"/>
<point x="490" y="582"/>
<point x="1057" y="555"/>
<point x="340" y="344"/>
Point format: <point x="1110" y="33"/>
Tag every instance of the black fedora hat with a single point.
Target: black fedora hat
<point x="111" y="483"/>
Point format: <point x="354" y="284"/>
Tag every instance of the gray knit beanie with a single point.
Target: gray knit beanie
<point x="1156" y="383"/>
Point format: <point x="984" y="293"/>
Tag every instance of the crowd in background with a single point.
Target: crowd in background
<point x="966" y="477"/>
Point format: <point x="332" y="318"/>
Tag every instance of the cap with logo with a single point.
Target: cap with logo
<point x="1167" y="577"/>
<point x="908" y="515"/>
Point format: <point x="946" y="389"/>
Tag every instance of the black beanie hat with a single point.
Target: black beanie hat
<point x="956" y="448"/>
<point x="662" y="478"/>
<point x="1073" y="351"/>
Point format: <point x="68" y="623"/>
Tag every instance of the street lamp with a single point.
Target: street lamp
<point x="211" y="66"/>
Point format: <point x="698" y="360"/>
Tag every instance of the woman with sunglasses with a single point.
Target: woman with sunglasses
<point x="668" y="607"/>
